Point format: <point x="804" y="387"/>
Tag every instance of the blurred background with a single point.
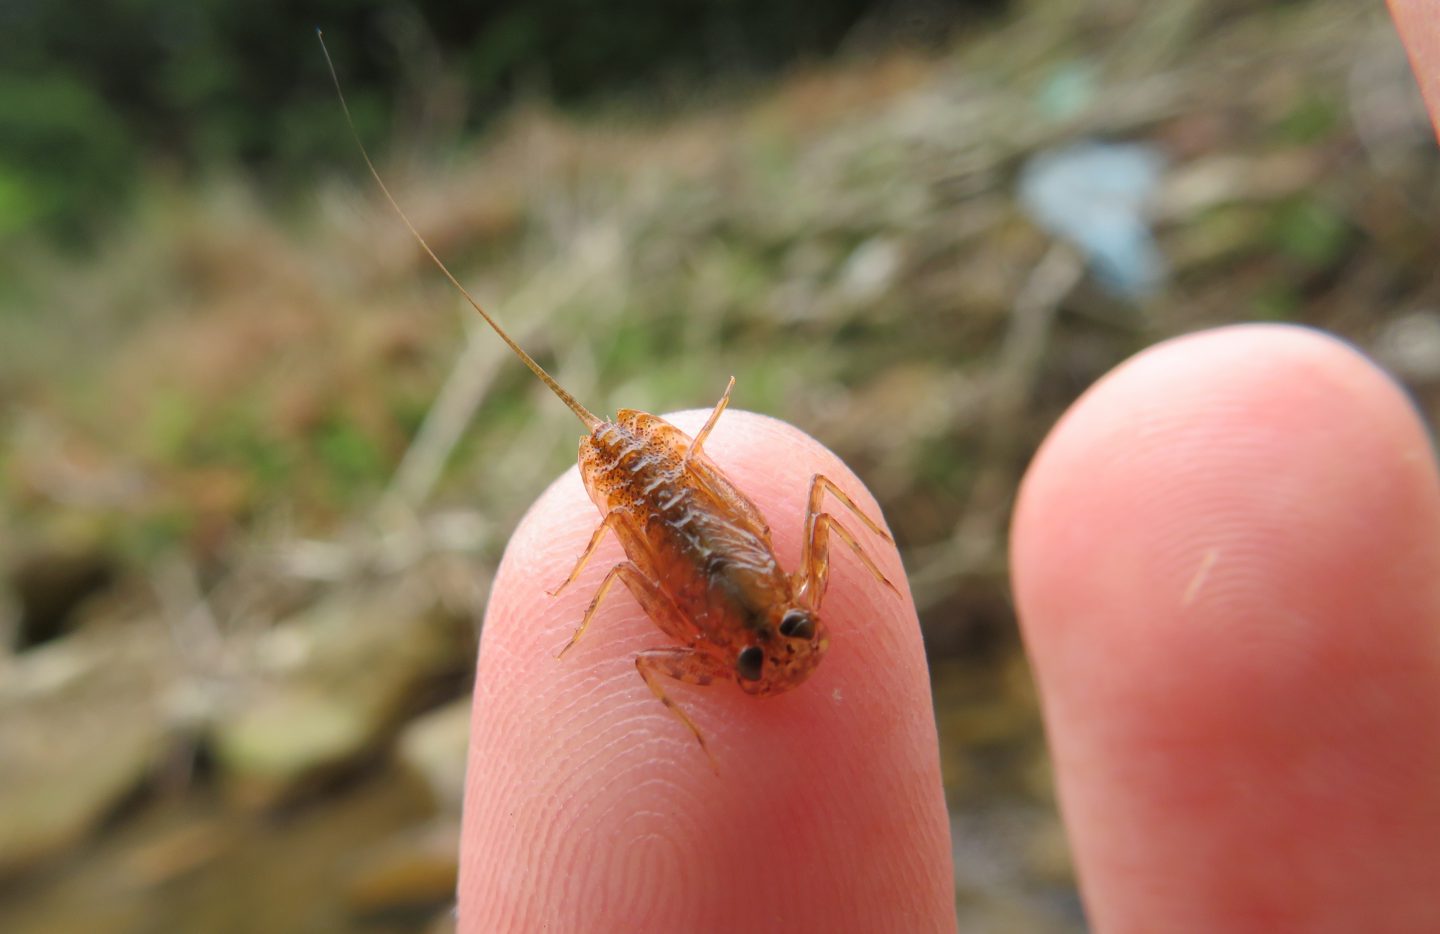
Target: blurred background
<point x="255" y="474"/>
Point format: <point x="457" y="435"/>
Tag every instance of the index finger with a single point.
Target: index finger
<point x="589" y="807"/>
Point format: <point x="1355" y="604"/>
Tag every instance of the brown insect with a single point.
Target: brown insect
<point x="699" y="559"/>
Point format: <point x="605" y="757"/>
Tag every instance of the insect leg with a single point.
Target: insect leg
<point x="689" y="666"/>
<point x="612" y="519"/>
<point x="600" y="592"/>
<point x="709" y="422"/>
<point x="819" y="485"/>
<point x="656" y="604"/>
<point x="814" y="572"/>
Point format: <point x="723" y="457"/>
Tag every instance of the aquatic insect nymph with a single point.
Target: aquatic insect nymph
<point x="699" y="558"/>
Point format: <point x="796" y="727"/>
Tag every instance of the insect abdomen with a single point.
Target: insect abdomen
<point x="643" y="474"/>
<point x="708" y="562"/>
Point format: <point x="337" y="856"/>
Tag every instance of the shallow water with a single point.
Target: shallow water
<point x="189" y="863"/>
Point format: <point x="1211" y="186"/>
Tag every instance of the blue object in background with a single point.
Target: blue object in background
<point x="1094" y="195"/>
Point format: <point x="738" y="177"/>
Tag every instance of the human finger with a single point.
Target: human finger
<point x="1418" y="22"/>
<point x="1225" y="564"/>
<point x="589" y="807"/>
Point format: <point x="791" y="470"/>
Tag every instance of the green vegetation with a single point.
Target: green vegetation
<point x="90" y="94"/>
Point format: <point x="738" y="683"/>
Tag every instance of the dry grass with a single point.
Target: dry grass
<point x="846" y="243"/>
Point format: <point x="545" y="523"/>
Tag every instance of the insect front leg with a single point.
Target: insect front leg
<point x="688" y="665"/>
<point x="814" y="572"/>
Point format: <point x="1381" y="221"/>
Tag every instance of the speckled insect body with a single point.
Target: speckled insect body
<point x="699" y="558"/>
<point x="701" y="563"/>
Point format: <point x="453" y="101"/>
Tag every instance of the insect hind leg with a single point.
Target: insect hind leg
<point x="704" y="432"/>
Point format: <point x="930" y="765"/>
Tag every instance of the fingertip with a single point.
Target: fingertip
<point x="1224" y="564"/>
<point x="590" y="806"/>
<point x="1415" y="21"/>
<point x="1256" y="431"/>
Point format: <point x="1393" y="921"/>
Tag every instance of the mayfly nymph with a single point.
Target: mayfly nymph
<point x="699" y="558"/>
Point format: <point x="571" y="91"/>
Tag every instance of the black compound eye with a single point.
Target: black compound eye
<point x="797" y="624"/>
<point x="748" y="662"/>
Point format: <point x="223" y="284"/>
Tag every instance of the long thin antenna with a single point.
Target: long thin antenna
<point x="584" y="414"/>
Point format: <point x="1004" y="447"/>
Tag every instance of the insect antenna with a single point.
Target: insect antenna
<point x="585" y="415"/>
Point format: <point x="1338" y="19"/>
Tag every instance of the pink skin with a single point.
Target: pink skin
<point x="1227" y="564"/>
<point x="589" y="807"/>
<point x="1418" y="22"/>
